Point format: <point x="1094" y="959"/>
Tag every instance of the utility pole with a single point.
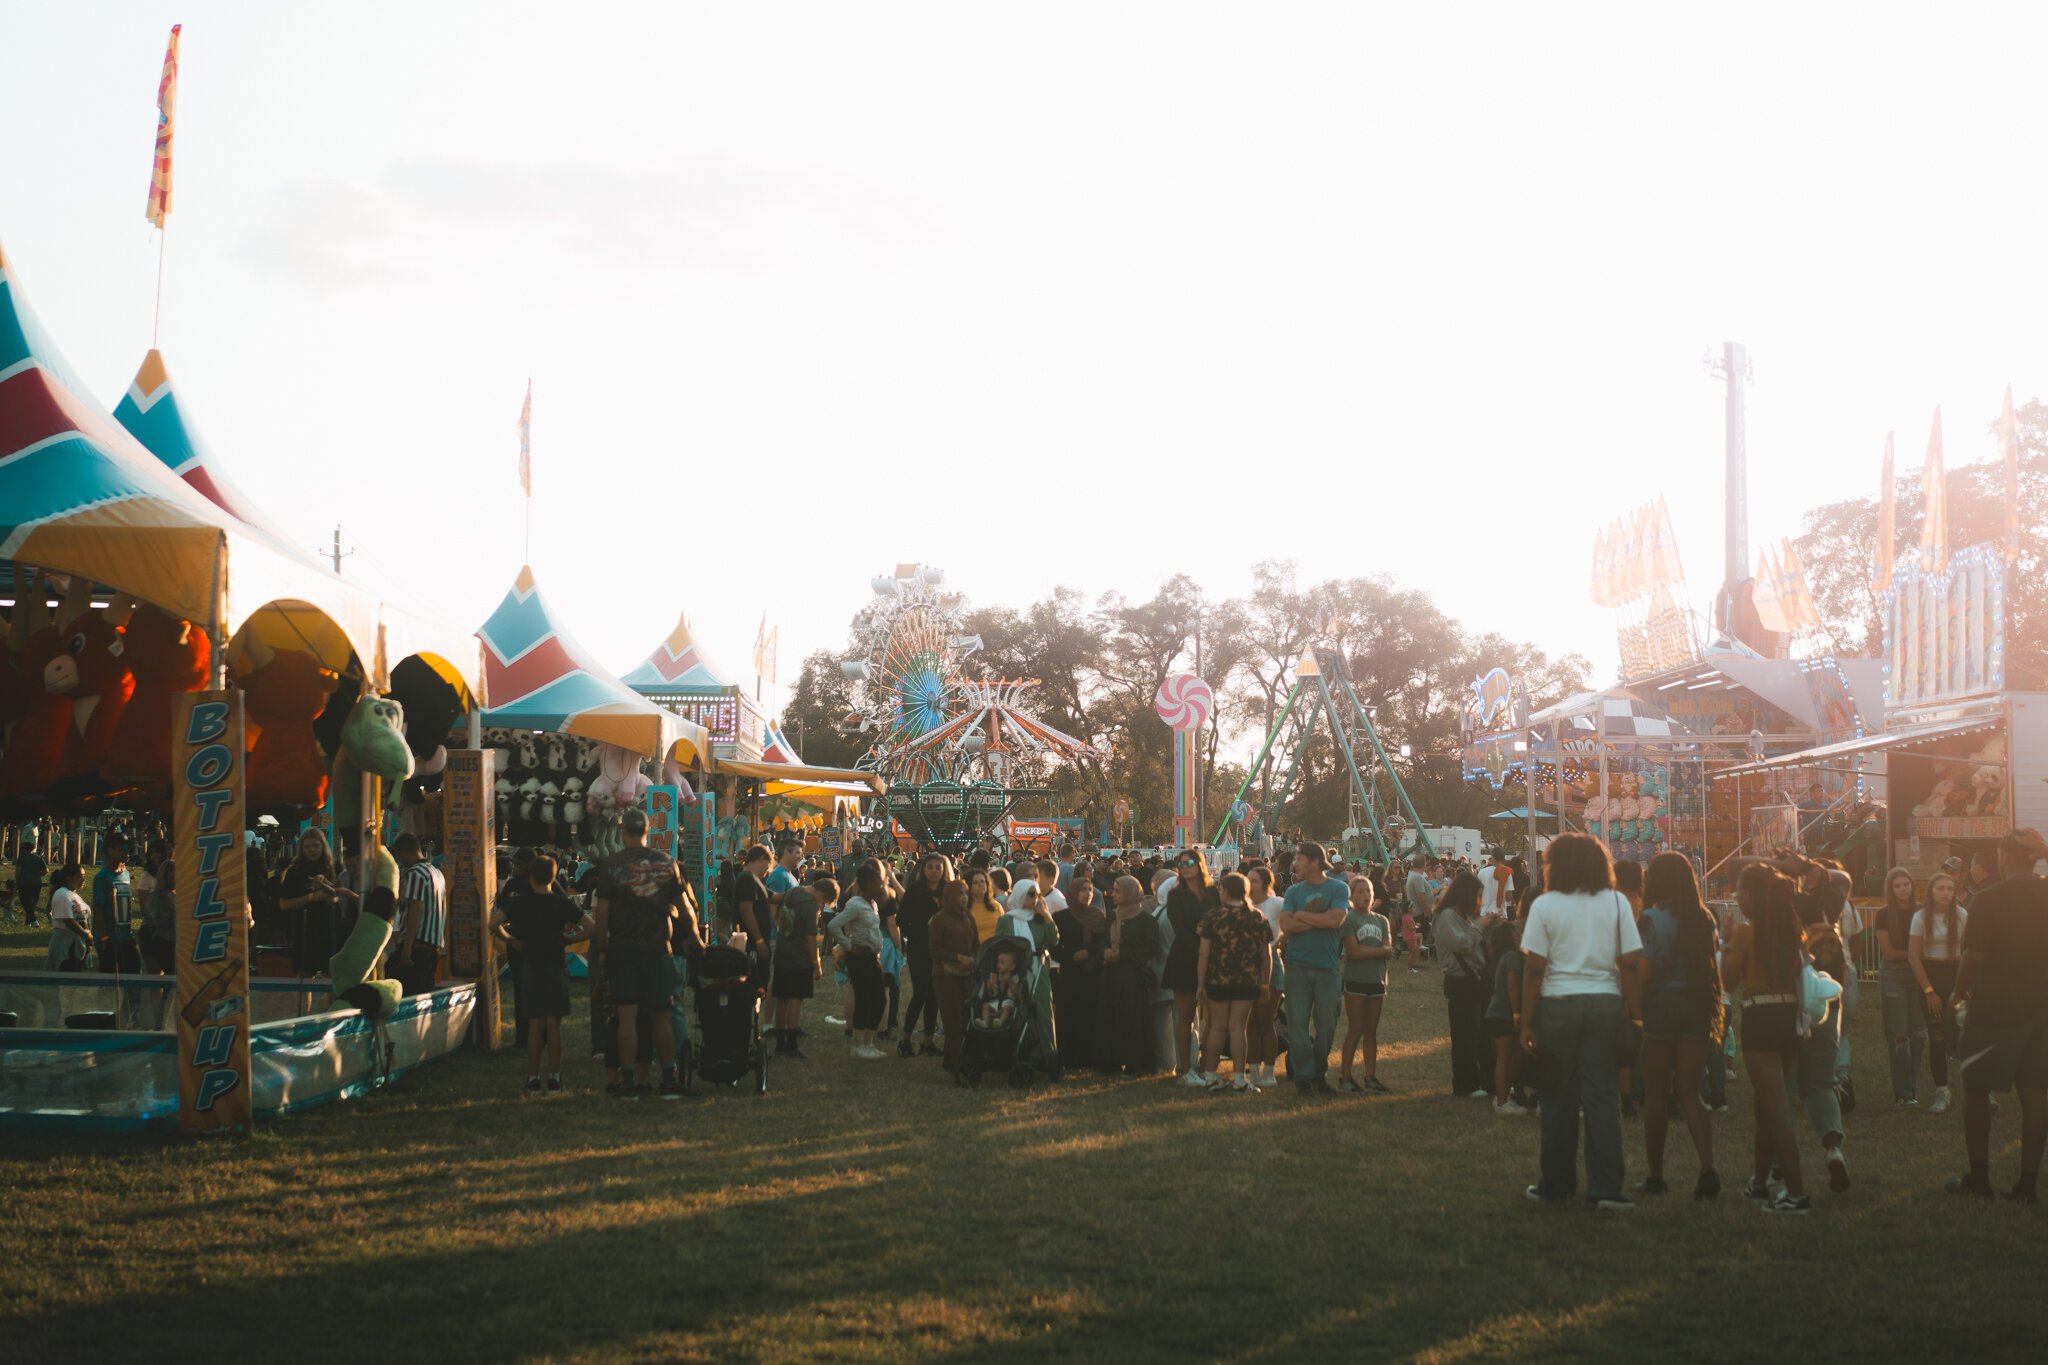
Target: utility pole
<point x="337" y="554"/>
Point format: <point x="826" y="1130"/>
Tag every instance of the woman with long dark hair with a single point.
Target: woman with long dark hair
<point x="1129" y="978"/>
<point x="1935" y="949"/>
<point x="1905" y="1023"/>
<point x="1188" y="901"/>
<point x="858" y="929"/>
<point x="914" y="913"/>
<point x="1682" y="1015"/>
<point x="1083" y="929"/>
<point x="1764" y="960"/>
<point x="1462" y="954"/>
<point x="1580" y="1016"/>
<point x="1264" y="1031"/>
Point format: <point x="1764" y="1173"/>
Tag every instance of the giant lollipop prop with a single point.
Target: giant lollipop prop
<point x="1185" y="703"/>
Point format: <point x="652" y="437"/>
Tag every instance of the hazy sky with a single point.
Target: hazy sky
<point x="1042" y="293"/>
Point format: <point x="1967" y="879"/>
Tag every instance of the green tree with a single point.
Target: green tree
<point x="1839" y="542"/>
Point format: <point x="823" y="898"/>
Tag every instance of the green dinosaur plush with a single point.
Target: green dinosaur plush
<point x="350" y="967"/>
<point x="372" y="741"/>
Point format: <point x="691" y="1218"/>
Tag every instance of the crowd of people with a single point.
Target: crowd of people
<point x="1577" y="989"/>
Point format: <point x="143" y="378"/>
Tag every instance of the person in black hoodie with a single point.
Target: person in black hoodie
<point x="920" y="901"/>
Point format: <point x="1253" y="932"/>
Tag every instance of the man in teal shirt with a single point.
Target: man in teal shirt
<point x="1311" y="921"/>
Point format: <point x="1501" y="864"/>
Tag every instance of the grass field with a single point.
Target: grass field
<point x="868" y="1210"/>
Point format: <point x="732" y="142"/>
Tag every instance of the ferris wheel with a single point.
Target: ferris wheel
<point x="906" y="669"/>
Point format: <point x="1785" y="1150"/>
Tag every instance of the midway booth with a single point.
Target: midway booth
<point x="169" y="650"/>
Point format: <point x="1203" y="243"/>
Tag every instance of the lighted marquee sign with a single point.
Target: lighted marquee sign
<point x="1945" y="630"/>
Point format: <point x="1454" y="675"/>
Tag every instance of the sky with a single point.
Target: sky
<point x="1043" y="294"/>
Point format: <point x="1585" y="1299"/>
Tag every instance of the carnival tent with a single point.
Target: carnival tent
<point x="153" y="412"/>
<point x="678" y="662"/>
<point x="79" y="495"/>
<point x="800" y="781"/>
<point x="681" y="678"/>
<point x="540" y="678"/>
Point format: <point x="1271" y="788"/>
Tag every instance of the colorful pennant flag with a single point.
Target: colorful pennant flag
<point x="1664" y="547"/>
<point x="1603" y="556"/>
<point x="526" y="442"/>
<point x="2009" y="450"/>
<point x="1887" y="521"/>
<point x="1794" y="593"/>
<point x="1934" y="496"/>
<point x="166" y="122"/>
<point x="1769" y="600"/>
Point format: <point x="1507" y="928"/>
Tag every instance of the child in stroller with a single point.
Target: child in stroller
<point x="1002" y="994"/>
<point x="729" y="1045"/>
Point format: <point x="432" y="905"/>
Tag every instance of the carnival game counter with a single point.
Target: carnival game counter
<point x="99" y="1079"/>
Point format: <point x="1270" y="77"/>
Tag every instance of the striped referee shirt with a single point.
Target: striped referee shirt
<point x="426" y="886"/>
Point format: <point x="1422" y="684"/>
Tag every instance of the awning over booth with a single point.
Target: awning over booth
<point x="80" y="495"/>
<point x="540" y="678"/>
<point x="1892" y="739"/>
<point x="801" y="775"/>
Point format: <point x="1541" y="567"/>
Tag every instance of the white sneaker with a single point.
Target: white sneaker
<point x="1243" y="1085"/>
<point x="1510" y="1110"/>
<point x="868" y="1054"/>
<point x="1939" y="1104"/>
<point x="1480" y="1095"/>
<point x="1194" y="1079"/>
<point x="1266" y="1076"/>
<point x="835" y="1021"/>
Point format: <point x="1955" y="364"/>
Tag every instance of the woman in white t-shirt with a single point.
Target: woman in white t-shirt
<point x="1934" y="947"/>
<point x="1264" y="1045"/>
<point x="70" y="923"/>
<point x="1579" y="1010"/>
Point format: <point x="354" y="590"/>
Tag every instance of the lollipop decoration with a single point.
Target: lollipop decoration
<point x="1185" y="703"/>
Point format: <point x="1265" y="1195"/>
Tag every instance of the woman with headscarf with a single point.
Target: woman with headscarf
<point x="1083" y="929"/>
<point x="1129" y="979"/>
<point x="1029" y="919"/>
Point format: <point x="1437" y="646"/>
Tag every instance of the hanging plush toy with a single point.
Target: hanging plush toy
<point x="37" y="721"/>
<point x="92" y="670"/>
<point x="620" y="779"/>
<point x="373" y="742"/>
<point x="572" y="805"/>
<point x="349" y="969"/>
<point x="168" y="656"/>
<point x="283" y="694"/>
<point x="432" y="706"/>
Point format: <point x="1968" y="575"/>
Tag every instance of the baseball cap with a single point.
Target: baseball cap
<point x="1315" y="851"/>
<point x="634" y="821"/>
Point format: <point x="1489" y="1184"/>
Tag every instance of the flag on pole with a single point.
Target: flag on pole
<point x="2009" y="448"/>
<point x="1769" y="596"/>
<point x="774" y="640"/>
<point x="166" y="123"/>
<point x="762" y="665"/>
<point x="1795" y="594"/>
<point x="526" y="442"/>
<point x="1934" y="494"/>
<point x="1887" y="521"/>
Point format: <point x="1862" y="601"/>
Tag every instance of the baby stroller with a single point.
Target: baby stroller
<point x="1023" y="1044"/>
<point x="728" y="1042"/>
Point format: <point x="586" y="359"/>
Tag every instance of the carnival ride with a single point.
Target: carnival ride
<point x="1322" y="687"/>
<point x="957" y="752"/>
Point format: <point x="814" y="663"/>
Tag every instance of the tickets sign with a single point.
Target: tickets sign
<point x="212" y="906"/>
<point x="468" y="844"/>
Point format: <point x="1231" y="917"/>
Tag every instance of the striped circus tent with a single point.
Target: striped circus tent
<point x="539" y="678"/>
<point x="151" y="412"/>
<point x="678" y="662"/>
<point x="79" y="494"/>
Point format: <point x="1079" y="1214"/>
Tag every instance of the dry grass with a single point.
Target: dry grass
<point x="868" y="1211"/>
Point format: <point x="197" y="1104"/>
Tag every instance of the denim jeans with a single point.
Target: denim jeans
<point x="1576" y="1035"/>
<point x="1905" y="1025"/>
<point x="1812" y="1081"/>
<point x="1313" y="1005"/>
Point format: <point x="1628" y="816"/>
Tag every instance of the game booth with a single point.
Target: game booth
<point x="1637" y="764"/>
<point x="171" y="655"/>
<point x="1957" y="760"/>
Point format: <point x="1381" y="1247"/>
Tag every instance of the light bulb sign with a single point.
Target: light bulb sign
<point x="212" y="906"/>
<point x="1945" y="630"/>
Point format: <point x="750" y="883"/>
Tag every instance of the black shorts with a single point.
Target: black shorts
<point x="642" y="977"/>
<point x="792" y="983"/>
<point x="1233" y="992"/>
<point x="1998" y="1059"/>
<point x="1771" y="1028"/>
<point x="544" y="989"/>
<point x="1367" y="990"/>
<point x="1498" y="1028"/>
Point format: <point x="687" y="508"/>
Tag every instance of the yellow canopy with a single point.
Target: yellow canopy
<point x="799" y="776"/>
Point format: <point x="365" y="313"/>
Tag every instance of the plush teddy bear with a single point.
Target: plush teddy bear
<point x="557" y="756"/>
<point x="1987" y="788"/>
<point x="529" y="799"/>
<point x="282" y="695"/>
<point x="168" y="656"/>
<point x="621" y="779"/>
<point x="572" y="804"/>
<point x="1941" y="798"/>
<point x="36" y="721"/>
<point x="92" y="671"/>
